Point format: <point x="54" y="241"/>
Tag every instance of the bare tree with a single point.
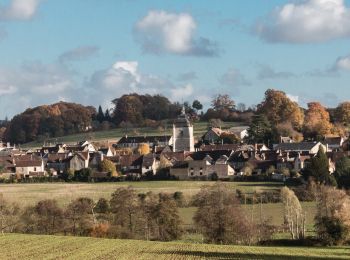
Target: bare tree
<point x="332" y="221"/>
<point x="220" y="218"/>
<point x="294" y="217"/>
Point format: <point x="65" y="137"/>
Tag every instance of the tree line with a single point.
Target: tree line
<point x="277" y="115"/>
<point x="219" y="217"/>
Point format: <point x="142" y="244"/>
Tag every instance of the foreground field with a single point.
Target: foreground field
<point x="65" y="192"/>
<point x="15" y="246"/>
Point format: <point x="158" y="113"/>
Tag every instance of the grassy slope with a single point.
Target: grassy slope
<point x="64" y="192"/>
<point x="15" y="246"/>
<point x="115" y="134"/>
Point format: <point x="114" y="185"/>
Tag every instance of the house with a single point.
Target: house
<point x="130" y="164"/>
<point x="78" y="161"/>
<point x="152" y="141"/>
<point x="107" y="151"/>
<point x="57" y="162"/>
<point x="334" y="143"/>
<point x="302" y="148"/>
<point x="286" y="139"/>
<point x="29" y="166"/>
<point x="212" y="136"/>
<point x="149" y="164"/>
<point x="240" y="131"/>
<point x="215" y="147"/>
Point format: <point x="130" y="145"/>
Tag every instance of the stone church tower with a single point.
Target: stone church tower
<point x="183" y="133"/>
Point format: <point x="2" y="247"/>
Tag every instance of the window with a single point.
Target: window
<point x="35" y="169"/>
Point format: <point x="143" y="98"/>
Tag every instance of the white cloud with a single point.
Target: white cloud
<point x="343" y="63"/>
<point x="125" y="77"/>
<point x="266" y="72"/>
<point x="179" y="94"/>
<point x="160" y="32"/>
<point x="19" y="10"/>
<point x="34" y="84"/>
<point x="79" y="53"/>
<point x="293" y="98"/>
<point x="306" y="22"/>
<point x="234" y="78"/>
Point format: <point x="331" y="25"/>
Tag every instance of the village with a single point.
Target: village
<point x="178" y="156"/>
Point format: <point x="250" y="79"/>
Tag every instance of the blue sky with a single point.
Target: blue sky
<point x="91" y="51"/>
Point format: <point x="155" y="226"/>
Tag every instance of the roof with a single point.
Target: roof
<point x="27" y="161"/>
<point x="303" y="146"/>
<point x="214" y="155"/>
<point x="144" y="139"/>
<point x="130" y="160"/>
<point x="333" y="140"/>
<point x="148" y="160"/>
<point x="228" y="147"/>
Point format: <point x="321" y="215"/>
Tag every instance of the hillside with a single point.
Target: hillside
<point x="115" y="134"/>
<point x="60" y="247"/>
<point x="49" y="120"/>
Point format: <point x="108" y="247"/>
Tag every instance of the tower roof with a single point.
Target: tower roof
<point x="182" y="120"/>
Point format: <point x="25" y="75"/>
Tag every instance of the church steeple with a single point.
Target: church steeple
<point x="183" y="133"/>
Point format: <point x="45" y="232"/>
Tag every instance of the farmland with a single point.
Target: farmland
<point x="64" y="192"/>
<point x="60" y="247"/>
<point x="28" y="194"/>
<point x="114" y="134"/>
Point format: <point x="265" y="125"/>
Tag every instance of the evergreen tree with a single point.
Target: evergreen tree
<point x="260" y="130"/>
<point x="318" y="168"/>
<point x="107" y="116"/>
<point x="100" y="115"/>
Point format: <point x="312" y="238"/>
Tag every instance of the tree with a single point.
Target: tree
<point x="229" y="138"/>
<point x="143" y="149"/>
<point x="222" y="102"/>
<point x="46" y="217"/>
<point x="332" y="220"/>
<point x="83" y="174"/>
<point x="318" y="168"/>
<point x="286" y="129"/>
<point x="108" y="166"/>
<point x="197" y="105"/>
<point x="294" y="217"/>
<point x="259" y="130"/>
<point x="124" y="207"/>
<point x="164" y="214"/>
<point x="102" y="206"/>
<point x="9" y="215"/>
<point x="79" y="217"/>
<point x="100" y="117"/>
<point x="278" y="108"/>
<point x="342" y="113"/>
<point x="342" y="173"/>
<point x="219" y="216"/>
<point x="128" y="108"/>
<point x="241" y="107"/>
<point x="317" y="121"/>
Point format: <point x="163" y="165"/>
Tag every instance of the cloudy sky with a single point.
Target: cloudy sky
<point x="91" y="51"/>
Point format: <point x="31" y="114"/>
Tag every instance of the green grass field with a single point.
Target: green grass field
<point x="199" y="129"/>
<point x="16" y="246"/>
<point x="28" y="193"/>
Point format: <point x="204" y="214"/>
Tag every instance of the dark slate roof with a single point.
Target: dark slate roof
<point x="228" y="147"/>
<point x="304" y="146"/>
<point x="332" y="140"/>
<point x="144" y="139"/>
<point x="148" y="160"/>
<point x="130" y="160"/>
<point x="215" y="155"/>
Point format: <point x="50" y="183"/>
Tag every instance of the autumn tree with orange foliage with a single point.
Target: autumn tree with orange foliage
<point x="278" y="108"/>
<point x="342" y="113"/>
<point x="317" y="121"/>
<point x="143" y="149"/>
